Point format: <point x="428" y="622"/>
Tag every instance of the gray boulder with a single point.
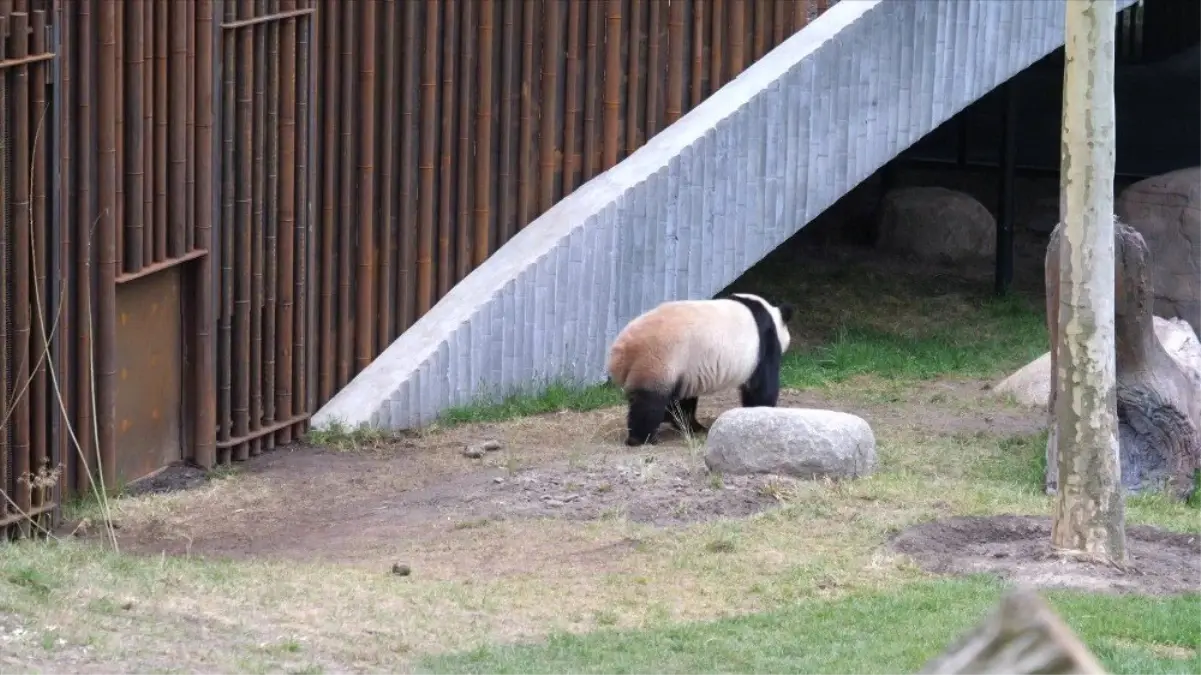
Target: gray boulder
<point x="936" y="224"/>
<point x="800" y="442"/>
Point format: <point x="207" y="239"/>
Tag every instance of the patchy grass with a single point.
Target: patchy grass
<point x="856" y="633"/>
<point x="556" y="397"/>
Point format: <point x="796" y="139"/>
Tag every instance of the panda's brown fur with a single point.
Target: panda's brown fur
<point x="684" y="349"/>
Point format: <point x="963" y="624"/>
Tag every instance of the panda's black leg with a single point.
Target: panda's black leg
<point x="688" y="412"/>
<point x="646" y="413"/>
<point x="760" y="394"/>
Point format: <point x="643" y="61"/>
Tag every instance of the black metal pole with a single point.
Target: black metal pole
<point x="1004" y="253"/>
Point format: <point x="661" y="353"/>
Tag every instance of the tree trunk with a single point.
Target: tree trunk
<point x="1022" y="636"/>
<point x="1089" y="515"/>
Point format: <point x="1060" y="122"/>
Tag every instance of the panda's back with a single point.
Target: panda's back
<point x="701" y="346"/>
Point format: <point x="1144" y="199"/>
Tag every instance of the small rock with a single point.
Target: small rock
<point x="473" y="451"/>
<point x="401" y="570"/>
<point x="498" y="480"/>
<point x="553" y="503"/>
<point x="491" y="446"/>
<point x="805" y="443"/>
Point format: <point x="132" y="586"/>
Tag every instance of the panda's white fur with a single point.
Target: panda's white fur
<point x="683" y="349"/>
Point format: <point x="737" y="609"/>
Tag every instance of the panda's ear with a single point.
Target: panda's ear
<point x="786" y="312"/>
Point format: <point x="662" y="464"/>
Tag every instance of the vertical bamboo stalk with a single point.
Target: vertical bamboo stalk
<point x="270" y="224"/>
<point x="525" y="163"/>
<point x="258" y="198"/>
<point x="634" y="109"/>
<point x="206" y="397"/>
<point x="675" y="62"/>
<point x="5" y="289"/>
<point x="225" y="354"/>
<point x="592" y="80"/>
<point x="548" y="134"/>
<point x="506" y="206"/>
<point x="43" y="125"/>
<point x="189" y="11"/>
<point x="18" y="80"/>
<point x="64" y="263"/>
<point x="134" y="226"/>
<point x="822" y="6"/>
<point x="346" y="201"/>
<point x="463" y="251"/>
<point x="737" y="37"/>
<point x="760" y="29"/>
<point x="717" y="47"/>
<point x="800" y="14"/>
<point x="446" y="213"/>
<point x="612" y="82"/>
<point x="86" y="215"/>
<point x="429" y="94"/>
<point x="406" y="279"/>
<point x="780" y="10"/>
<point x="654" y="68"/>
<point x="386" y="301"/>
<point x="243" y="230"/>
<point x="329" y="203"/>
<point x="571" y="100"/>
<point x="300" y="294"/>
<point x="106" y="291"/>
<point x="698" y="54"/>
<point x="367" y="244"/>
<point x="287" y="215"/>
<point x="148" y="137"/>
<point x="483" y="162"/>
<point x="161" y="29"/>
<point x="176" y="110"/>
<point x="121" y="150"/>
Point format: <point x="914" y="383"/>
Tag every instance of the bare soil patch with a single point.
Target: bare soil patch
<point x="1018" y="548"/>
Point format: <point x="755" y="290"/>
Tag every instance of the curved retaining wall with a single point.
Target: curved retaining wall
<point x="702" y="201"/>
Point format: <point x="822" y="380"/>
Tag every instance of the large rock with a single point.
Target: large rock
<point x="798" y="442"/>
<point x="1166" y="210"/>
<point x="1031" y="384"/>
<point x="936" y="224"/>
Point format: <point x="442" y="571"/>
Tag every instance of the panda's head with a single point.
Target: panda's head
<point x="780" y="316"/>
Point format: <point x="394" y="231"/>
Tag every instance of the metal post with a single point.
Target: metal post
<point x="1004" y="252"/>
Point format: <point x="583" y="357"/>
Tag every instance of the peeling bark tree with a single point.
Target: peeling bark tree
<point x="1089" y="514"/>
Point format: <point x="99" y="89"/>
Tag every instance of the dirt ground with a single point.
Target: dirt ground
<point x="1018" y="548"/>
<point x="421" y="502"/>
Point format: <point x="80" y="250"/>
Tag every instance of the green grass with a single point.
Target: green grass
<point x="857" y="634"/>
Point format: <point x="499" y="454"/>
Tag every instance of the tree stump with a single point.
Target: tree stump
<point x="1022" y="636"/>
<point x="1159" y="410"/>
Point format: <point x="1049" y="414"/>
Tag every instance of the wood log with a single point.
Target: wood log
<point x="1023" y="635"/>
<point x="1159" y="410"/>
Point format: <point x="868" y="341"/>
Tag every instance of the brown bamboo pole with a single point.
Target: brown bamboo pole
<point x="346" y="199"/>
<point x="525" y="162"/>
<point x="270" y="224"/>
<point x="85" y="246"/>
<point x="106" y="291"/>
<point x="189" y="11"/>
<point x="634" y="107"/>
<point x="800" y="14"/>
<point x="6" y="449"/>
<point x="367" y="244"/>
<point x="287" y="217"/>
<point x="697" y="76"/>
<point x="135" y="172"/>
<point x="385" y="330"/>
<point x="302" y="402"/>
<point x="822" y="6"/>
<point x="18" y="80"/>
<point x="571" y="100"/>
<point x="654" y="68"/>
<point x="446" y="177"/>
<point x="328" y="335"/>
<point x="68" y="214"/>
<point x="592" y="80"/>
<point x="548" y="165"/>
<point x="161" y="30"/>
<point x="206" y="397"/>
<point x="760" y="29"/>
<point x="410" y="132"/>
<point x="177" y="152"/>
<point x="121" y="150"/>
<point x="429" y="120"/>
<point x="717" y="48"/>
<point x="464" y="159"/>
<point x="258" y="199"/>
<point x="243" y="231"/>
<point x="40" y="228"/>
<point x="612" y="82"/>
<point x="778" y="24"/>
<point x="675" y="62"/>
<point x="481" y="247"/>
<point x="506" y="177"/>
<point x="225" y="355"/>
<point x="148" y="137"/>
<point x="737" y="37"/>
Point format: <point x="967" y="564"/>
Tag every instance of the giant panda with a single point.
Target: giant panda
<point x="683" y="349"/>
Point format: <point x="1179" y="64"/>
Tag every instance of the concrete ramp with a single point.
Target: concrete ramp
<point x="702" y="201"/>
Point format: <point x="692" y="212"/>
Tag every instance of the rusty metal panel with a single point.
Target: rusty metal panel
<point x="149" y="374"/>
